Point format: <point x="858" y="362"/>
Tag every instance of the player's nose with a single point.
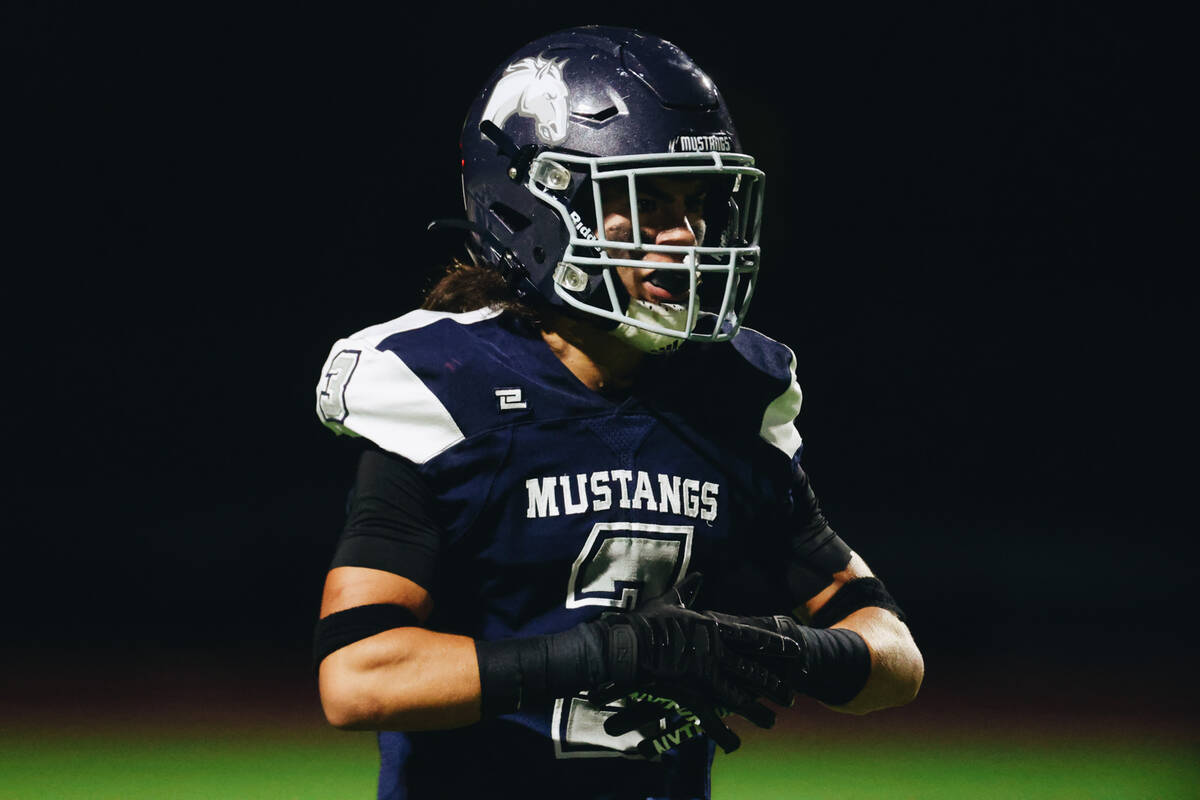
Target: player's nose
<point x="680" y="235"/>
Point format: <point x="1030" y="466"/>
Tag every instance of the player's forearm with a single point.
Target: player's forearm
<point x="897" y="668"/>
<point x="402" y="679"/>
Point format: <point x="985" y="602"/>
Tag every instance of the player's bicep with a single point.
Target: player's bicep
<point x="851" y="590"/>
<point x="827" y="580"/>
<point x="816" y="556"/>
<point x="359" y="608"/>
<point x="388" y="550"/>
<point x="350" y="587"/>
<point x="385" y="561"/>
<point x="856" y="568"/>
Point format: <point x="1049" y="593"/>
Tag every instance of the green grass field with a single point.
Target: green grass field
<point x="174" y="726"/>
<point x="141" y="760"/>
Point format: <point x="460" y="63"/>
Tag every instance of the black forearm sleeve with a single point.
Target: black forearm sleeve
<point x="515" y="673"/>
<point x="838" y="664"/>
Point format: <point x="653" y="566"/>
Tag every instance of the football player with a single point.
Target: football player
<point x="572" y="430"/>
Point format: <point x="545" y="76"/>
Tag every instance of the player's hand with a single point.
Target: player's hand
<point x="646" y="713"/>
<point x="794" y="669"/>
<point x="666" y="650"/>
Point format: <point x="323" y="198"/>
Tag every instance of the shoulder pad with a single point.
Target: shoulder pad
<point x="370" y="388"/>
<point x="777" y="362"/>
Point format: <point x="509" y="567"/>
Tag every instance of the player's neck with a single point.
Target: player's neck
<point x="601" y="362"/>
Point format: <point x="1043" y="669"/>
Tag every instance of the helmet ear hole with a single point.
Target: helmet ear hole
<point x="514" y="220"/>
<point x="539" y="255"/>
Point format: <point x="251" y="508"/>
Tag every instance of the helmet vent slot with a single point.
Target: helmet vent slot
<point x="598" y="116"/>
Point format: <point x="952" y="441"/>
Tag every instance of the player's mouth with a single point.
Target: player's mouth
<point x="667" y="285"/>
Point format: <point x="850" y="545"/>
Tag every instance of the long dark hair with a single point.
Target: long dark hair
<point x="466" y="287"/>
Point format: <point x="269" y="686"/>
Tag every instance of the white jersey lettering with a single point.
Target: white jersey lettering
<point x="541" y="497"/>
<point x="554" y="495"/>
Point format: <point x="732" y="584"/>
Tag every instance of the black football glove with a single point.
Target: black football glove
<point x="705" y="667"/>
<point x="794" y="670"/>
<point x="833" y="665"/>
<point x="646" y="713"/>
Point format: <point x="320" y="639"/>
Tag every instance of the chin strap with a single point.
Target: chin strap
<point x="667" y="315"/>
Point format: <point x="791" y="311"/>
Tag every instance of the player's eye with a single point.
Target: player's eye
<point x="647" y="205"/>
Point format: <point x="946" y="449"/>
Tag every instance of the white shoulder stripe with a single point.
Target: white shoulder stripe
<point x="779" y="420"/>
<point x="384" y="401"/>
<point x="418" y="319"/>
<point x="365" y="392"/>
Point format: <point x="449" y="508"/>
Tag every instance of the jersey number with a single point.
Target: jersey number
<point x="333" y="396"/>
<point x="620" y="562"/>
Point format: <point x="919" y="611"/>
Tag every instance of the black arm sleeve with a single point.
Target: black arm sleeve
<point x="815" y="551"/>
<point x="390" y="523"/>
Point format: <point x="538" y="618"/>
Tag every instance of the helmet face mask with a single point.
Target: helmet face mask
<point x="602" y="117"/>
<point x="731" y="262"/>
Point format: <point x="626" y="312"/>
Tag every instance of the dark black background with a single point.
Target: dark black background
<point x="968" y="244"/>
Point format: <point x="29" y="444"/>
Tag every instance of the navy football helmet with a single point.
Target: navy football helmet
<point x="585" y="109"/>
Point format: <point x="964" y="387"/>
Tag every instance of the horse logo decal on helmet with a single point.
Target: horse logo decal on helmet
<point x="534" y="88"/>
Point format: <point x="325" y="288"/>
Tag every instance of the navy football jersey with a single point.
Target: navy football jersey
<point x="558" y="504"/>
